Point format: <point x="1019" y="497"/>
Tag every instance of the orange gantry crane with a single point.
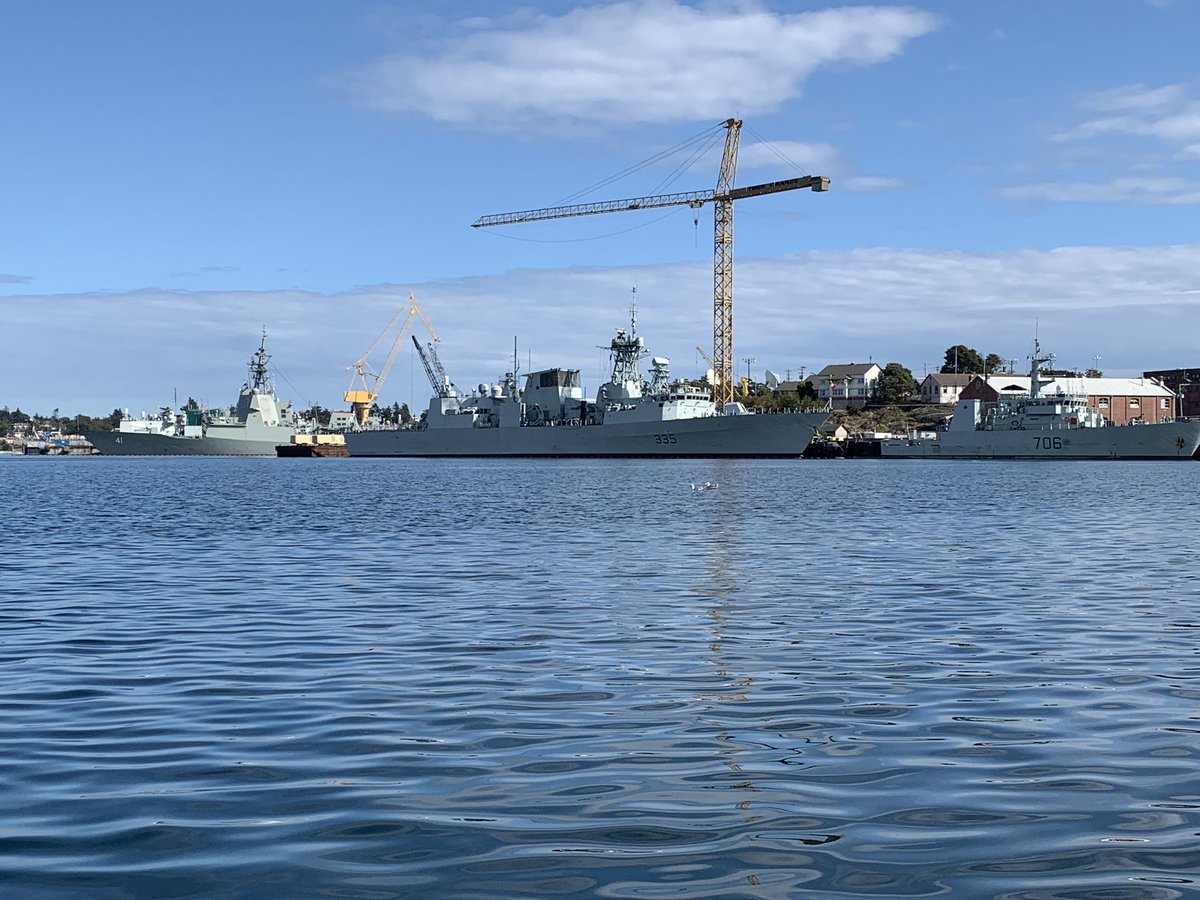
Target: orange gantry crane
<point x="366" y="383"/>
<point x="722" y="199"/>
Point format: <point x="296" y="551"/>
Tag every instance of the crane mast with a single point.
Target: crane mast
<point x="722" y="198"/>
<point x="723" y="266"/>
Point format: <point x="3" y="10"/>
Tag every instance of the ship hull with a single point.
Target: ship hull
<point x="117" y="443"/>
<point x="744" y="436"/>
<point x="1166" y="440"/>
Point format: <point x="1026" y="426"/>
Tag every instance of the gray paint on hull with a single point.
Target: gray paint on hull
<point x="1160" y="441"/>
<point x="135" y="444"/>
<point x="781" y="435"/>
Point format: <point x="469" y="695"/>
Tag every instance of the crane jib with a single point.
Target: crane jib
<point x="693" y="199"/>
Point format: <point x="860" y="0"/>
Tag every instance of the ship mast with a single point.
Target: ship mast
<point x="1035" y="363"/>
<point x="258" y="365"/>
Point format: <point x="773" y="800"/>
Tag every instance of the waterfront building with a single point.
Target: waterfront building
<point x="847" y="385"/>
<point x="1120" y="400"/>
<point x="943" y="387"/>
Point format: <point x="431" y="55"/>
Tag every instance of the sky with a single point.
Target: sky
<point x="177" y="177"/>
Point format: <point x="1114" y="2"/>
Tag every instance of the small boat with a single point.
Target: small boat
<point x="313" y="446"/>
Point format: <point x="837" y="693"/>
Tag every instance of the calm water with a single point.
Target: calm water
<point x="372" y="678"/>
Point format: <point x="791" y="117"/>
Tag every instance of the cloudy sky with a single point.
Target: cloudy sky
<point x="178" y="176"/>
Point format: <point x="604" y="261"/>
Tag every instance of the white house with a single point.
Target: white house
<point x="944" y="387"/>
<point x="847" y="385"/>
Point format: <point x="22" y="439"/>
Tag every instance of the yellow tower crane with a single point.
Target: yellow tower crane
<point x="366" y="383"/>
<point x="722" y="199"/>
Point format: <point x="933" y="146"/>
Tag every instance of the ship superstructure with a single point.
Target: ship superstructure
<point x="551" y="416"/>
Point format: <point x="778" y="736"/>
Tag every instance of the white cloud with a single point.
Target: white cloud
<point x="1137" y="97"/>
<point x="789" y="158"/>
<point x="1135" y="307"/>
<point x="632" y="62"/>
<point x="810" y="158"/>
<point x="1141" y="191"/>
<point x="869" y="184"/>
<point x="1166" y="113"/>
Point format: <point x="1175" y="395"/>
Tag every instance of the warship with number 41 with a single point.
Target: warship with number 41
<point x="1045" y="425"/>
<point x="254" y="427"/>
<point x="550" y="417"/>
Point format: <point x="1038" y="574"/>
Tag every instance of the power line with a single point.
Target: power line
<point x="705" y="135"/>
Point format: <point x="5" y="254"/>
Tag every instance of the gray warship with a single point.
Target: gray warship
<point x="1038" y="425"/>
<point x="550" y="417"/>
<point x="254" y="427"/>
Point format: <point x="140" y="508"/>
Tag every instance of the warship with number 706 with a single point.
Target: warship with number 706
<point x="550" y="417"/>
<point x="1046" y="423"/>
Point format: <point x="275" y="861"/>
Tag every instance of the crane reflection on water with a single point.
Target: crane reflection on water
<point x="723" y="589"/>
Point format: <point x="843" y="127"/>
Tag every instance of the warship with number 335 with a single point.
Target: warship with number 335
<point x="549" y="416"/>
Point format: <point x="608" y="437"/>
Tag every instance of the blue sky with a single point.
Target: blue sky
<point x="177" y="176"/>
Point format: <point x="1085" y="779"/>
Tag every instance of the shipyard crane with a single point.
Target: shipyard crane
<point x="722" y="199"/>
<point x="434" y="371"/>
<point x="712" y="372"/>
<point x="366" y="383"/>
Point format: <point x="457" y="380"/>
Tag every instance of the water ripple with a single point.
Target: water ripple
<point x="239" y="678"/>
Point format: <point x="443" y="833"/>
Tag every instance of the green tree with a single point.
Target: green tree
<point x="895" y="384"/>
<point x="994" y="362"/>
<point x="961" y="358"/>
<point x="787" y="400"/>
